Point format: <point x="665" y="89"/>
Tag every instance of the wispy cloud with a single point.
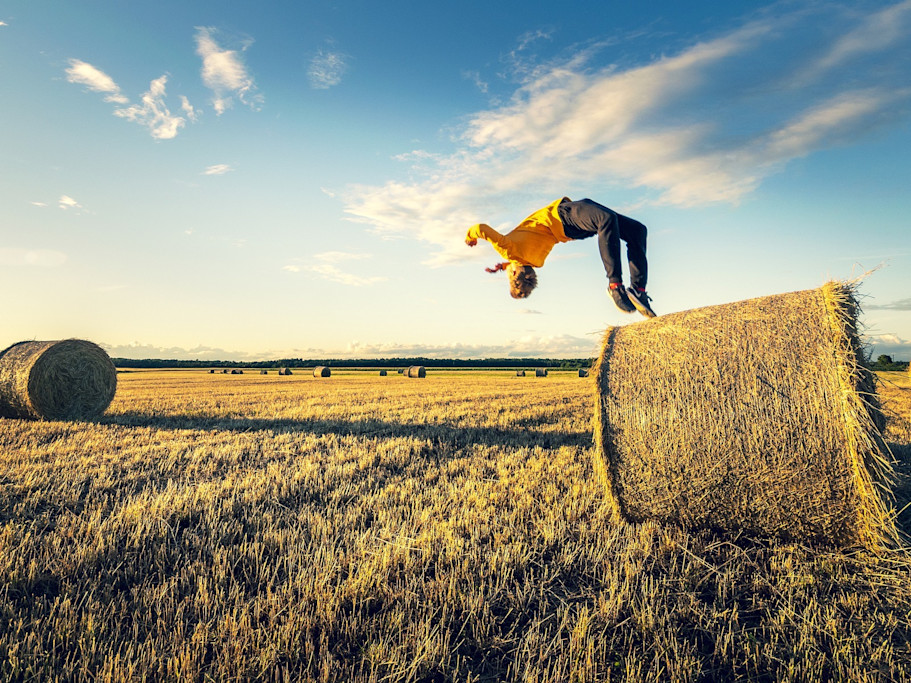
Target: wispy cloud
<point x="326" y="69"/>
<point x="96" y="80"/>
<point x="218" y="169"/>
<point x="557" y="346"/>
<point x="705" y="124"/>
<point x="889" y="344"/>
<point x="66" y="202"/>
<point x="224" y="72"/>
<point x="44" y="258"/>
<point x="151" y="112"/>
<point x="333" y="273"/>
<point x="338" y="256"/>
<point x="900" y="305"/>
<point x="327" y="268"/>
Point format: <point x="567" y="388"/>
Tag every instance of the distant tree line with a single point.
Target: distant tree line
<point x="884" y="362"/>
<point x="486" y="363"/>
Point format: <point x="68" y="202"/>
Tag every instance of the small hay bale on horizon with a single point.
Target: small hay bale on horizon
<point x="285" y="371"/>
<point x="520" y="373"/>
<point x="236" y="371"/>
<point x="211" y="372"/>
<point x="264" y="372"/>
<point x="225" y="371"/>
<point x="383" y="373"/>
<point x="416" y="371"/>
<point x="757" y="416"/>
<point x="72" y="379"/>
<point x="322" y="371"/>
<point x="541" y="372"/>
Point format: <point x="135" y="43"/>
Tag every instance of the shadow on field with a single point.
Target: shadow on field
<point x="452" y="436"/>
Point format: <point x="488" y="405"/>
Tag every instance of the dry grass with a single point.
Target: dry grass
<point x="56" y="380"/>
<point x="212" y="528"/>
<point x="754" y="416"/>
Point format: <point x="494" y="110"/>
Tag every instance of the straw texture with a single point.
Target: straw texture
<point x="71" y="379"/>
<point x="416" y="371"/>
<point x="756" y="416"/>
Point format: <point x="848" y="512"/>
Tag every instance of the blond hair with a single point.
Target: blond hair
<point x="522" y="280"/>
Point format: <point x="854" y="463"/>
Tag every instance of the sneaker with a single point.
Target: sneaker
<point x="621" y="300"/>
<point x="640" y="300"/>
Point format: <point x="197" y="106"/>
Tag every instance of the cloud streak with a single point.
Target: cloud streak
<point x="326" y="69"/>
<point x="224" y="73"/>
<point x="151" y="112"/>
<point x="704" y="125"/>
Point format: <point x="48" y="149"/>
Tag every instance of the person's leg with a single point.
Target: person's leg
<point x="584" y="218"/>
<point x="634" y="234"/>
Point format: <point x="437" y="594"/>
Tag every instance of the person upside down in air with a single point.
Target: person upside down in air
<point x="527" y="245"/>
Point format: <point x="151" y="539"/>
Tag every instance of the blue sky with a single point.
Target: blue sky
<point x="259" y="180"/>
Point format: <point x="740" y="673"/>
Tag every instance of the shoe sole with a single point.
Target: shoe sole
<point x="644" y="310"/>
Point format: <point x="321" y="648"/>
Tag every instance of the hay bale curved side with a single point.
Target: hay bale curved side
<point x="416" y="371"/>
<point x="72" y="379"/>
<point x="541" y="372"/>
<point x="285" y="371"/>
<point x="322" y="371"/>
<point x="756" y="415"/>
<point x="383" y="373"/>
<point x="520" y="373"/>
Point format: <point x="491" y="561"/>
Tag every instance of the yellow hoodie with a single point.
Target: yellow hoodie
<point x="530" y="241"/>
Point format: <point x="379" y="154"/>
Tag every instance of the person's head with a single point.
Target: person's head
<point x="522" y="280"/>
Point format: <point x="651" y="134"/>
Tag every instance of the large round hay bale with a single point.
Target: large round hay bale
<point x="71" y="379"/>
<point x="322" y="371"/>
<point x="520" y="373"/>
<point x="541" y="372"/>
<point x="383" y="373"/>
<point x="416" y="371"/>
<point x="285" y="371"/>
<point x="757" y="416"/>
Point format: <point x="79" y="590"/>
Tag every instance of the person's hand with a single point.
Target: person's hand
<point x="470" y="241"/>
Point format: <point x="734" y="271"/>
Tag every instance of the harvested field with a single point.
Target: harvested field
<point x="359" y="530"/>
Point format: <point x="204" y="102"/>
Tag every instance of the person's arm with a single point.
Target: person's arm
<point x="501" y="243"/>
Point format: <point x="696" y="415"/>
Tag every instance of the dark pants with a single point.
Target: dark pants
<point x="585" y="218"/>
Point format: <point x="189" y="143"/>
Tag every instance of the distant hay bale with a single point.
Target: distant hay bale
<point x="225" y="371"/>
<point x="416" y="371"/>
<point x="400" y="370"/>
<point x="264" y="372"/>
<point x="235" y="371"/>
<point x="71" y="379"/>
<point x="520" y="373"/>
<point x="211" y="372"/>
<point x="541" y="372"/>
<point x="285" y="371"/>
<point x="757" y="415"/>
<point x="322" y="371"/>
<point x="382" y="373"/>
<point x="583" y="372"/>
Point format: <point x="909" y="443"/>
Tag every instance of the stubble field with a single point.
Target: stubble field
<point x="366" y="528"/>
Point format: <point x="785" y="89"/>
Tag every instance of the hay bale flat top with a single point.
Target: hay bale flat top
<point x="755" y="415"/>
<point x="71" y="379"/>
